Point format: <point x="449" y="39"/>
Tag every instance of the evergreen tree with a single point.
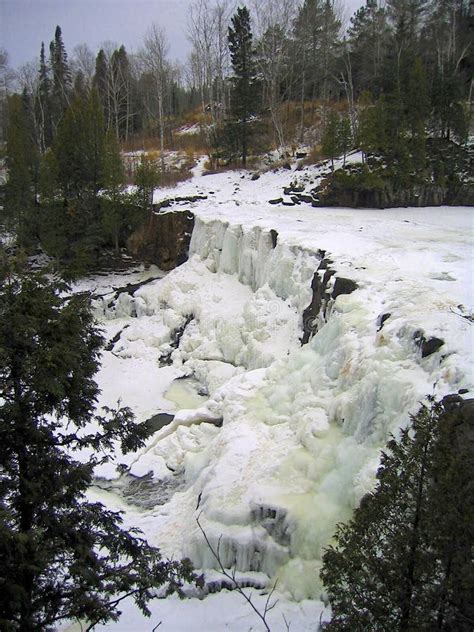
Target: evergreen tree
<point x="44" y="102"/>
<point x="244" y="80"/>
<point x="61" y="88"/>
<point x="116" y="205"/>
<point x="403" y="563"/>
<point x="367" y="42"/>
<point x="101" y="84"/>
<point x="316" y="32"/>
<point x="330" y="145"/>
<point x="22" y="164"/>
<point x="344" y="134"/>
<point x="77" y="155"/>
<point x="146" y="180"/>
<point x="61" y="556"/>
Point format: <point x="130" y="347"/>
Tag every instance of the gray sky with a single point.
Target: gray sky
<point x="24" y="24"/>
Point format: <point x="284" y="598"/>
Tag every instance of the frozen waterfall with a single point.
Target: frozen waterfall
<point x="288" y="441"/>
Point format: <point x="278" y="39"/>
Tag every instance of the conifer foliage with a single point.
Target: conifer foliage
<point x="403" y="562"/>
<point x="244" y="92"/>
<point x="61" y="556"/>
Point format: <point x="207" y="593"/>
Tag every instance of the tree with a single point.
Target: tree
<point x="367" y="41"/>
<point x="330" y="141"/>
<point x="61" y="88"/>
<point x="146" y="180"/>
<point x="207" y="30"/>
<point x="6" y="79"/>
<point x="154" y="60"/>
<point x="43" y="103"/>
<point x="344" y="134"/>
<point x="116" y="204"/>
<point x="101" y="84"/>
<point x="71" y="212"/>
<point x="316" y="32"/>
<point x="273" y="59"/>
<point x="22" y="164"/>
<point x="61" y="556"/>
<point x="403" y="562"/>
<point x="244" y="80"/>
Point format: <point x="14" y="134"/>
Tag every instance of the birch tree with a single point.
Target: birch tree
<point x="154" y="60"/>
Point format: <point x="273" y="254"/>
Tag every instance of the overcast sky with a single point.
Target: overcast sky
<point x="24" y="24"/>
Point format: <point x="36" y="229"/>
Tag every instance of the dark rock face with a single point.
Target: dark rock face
<point x="274" y="236"/>
<point x="163" y="239"/>
<point x="427" y="345"/>
<point x="321" y="296"/>
<point x="273" y="520"/>
<point x="381" y="320"/>
<point x="159" y="421"/>
<point x="343" y="286"/>
<point x="392" y="196"/>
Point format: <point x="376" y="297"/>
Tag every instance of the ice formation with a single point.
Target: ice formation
<point x="284" y="439"/>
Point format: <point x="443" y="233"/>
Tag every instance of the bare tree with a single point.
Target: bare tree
<point x="273" y="20"/>
<point x="154" y="61"/>
<point x="83" y="61"/>
<point x="209" y="61"/>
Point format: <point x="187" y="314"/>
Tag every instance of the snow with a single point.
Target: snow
<point x="284" y="440"/>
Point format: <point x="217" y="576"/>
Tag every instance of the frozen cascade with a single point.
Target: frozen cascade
<point x="302" y="426"/>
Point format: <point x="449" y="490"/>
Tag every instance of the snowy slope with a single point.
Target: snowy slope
<point x="286" y="440"/>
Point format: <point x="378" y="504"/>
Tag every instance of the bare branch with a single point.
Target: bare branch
<point x="232" y="577"/>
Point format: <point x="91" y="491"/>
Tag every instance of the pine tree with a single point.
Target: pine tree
<point x="367" y="41"/>
<point x="101" y="84"/>
<point x="244" y="79"/>
<point x="403" y="563"/>
<point x="61" y="556"/>
<point x="115" y="203"/>
<point x="22" y="164"/>
<point x="61" y="88"/>
<point x="44" y="102"/>
<point x="146" y="180"/>
<point x="331" y="141"/>
<point x="78" y="153"/>
<point x="344" y="135"/>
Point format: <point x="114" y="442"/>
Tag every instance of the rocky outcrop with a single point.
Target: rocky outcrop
<point x="164" y="239"/>
<point x="391" y="196"/>
<point x="321" y="295"/>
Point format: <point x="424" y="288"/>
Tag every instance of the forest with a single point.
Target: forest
<point x="280" y="77"/>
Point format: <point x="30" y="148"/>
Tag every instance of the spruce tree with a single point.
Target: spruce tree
<point x="116" y="205"/>
<point x="22" y="164"/>
<point x="44" y="102"/>
<point x="403" y="562"/>
<point x="101" y="84"/>
<point x="146" y="180"/>
<point x="244" y="79"/>
<point x="61" y="556"/>
<point x="77" y="155"/>
<point x="331" y="142"/>
<point x="61" y="77"/>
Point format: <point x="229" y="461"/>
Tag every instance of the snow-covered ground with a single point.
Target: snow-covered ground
<point x="282" y="440"/>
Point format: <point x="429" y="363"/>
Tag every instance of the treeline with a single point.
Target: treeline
<point x="299" y="53"/>
<point x="396" y="84"/>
